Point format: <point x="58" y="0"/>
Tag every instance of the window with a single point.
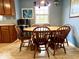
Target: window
<point x="41" y="15"/>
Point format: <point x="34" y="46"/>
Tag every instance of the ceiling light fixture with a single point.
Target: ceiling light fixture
<point x="56" y="2"/>
<point x="41" y="3"/>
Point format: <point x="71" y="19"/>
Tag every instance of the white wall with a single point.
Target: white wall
<point x="17" y="8"/>
<point x="55" y="12"/>
<point x="55" y="16"/>
<point x="74" y="22"/>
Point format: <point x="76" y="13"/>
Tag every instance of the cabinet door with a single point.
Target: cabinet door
<point x="0" y="36"/>
<point x="1" y="7"/>
<point x="7" y="7"/>
<point x="5" y="34"/>
<point x="13" y="7"/>
<point x="13" y="33"/>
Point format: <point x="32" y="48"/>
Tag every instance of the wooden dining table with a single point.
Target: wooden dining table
<point x="30" y="29"/>
<point x="52" y="28"/>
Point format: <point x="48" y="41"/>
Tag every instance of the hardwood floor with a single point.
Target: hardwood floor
<point x="11" y="51"/>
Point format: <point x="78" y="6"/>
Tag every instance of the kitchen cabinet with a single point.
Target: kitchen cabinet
<point x="7" y="33"/>
<point x="0" y="36"/>
<point x="1" y="7"/>
<point x="7" y="7"/>
<point x="13" y="7"/>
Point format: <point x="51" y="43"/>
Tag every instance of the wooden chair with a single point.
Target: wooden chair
<point x="58" y="38"/>
<point x="65" y="27"/>
<point x="23" y="37"/>
<point x="40" y="37"/>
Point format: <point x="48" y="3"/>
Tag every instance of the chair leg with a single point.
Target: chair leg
<point x="67" y="42"/>
<point x="20" y="46"/>
<point x="35" y="50"/>
<point x="64" y="48"/>
<point x="28" y="44"/>
<point x="31" y="45"/>
<point x="47" y="50"/>
<point x="54" y="49"/>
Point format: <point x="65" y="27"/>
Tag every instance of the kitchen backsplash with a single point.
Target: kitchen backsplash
<point x="7" y="20"/>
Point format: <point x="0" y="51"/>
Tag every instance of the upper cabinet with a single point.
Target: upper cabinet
<point x="7" y="7"/>
<point x="13" y="7"/>
<point x="1" y="7"/>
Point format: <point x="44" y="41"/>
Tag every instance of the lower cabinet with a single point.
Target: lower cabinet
<point x="0" y="36"/>
<point x="7" y="33"/>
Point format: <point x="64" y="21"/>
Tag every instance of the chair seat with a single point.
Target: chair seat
<point x="40" y="42"/>
<point x="25" y="37"/>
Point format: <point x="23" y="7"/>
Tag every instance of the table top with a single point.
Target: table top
<point x="52" y="28"/>
<point x="23" y="25"/>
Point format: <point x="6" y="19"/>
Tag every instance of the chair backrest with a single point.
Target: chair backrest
<point x="65" y="29"/>
<point x="41" y="34"/>
<point x="60" y="34"/>
<point x="23" y="35"/>
<point x="19" y="32"/>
